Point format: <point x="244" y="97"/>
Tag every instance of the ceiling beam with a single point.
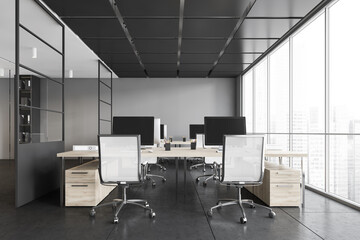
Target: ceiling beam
<point x="181" y="24"/>
<point x="127" y="34"/>
<point x="232" y="34"/>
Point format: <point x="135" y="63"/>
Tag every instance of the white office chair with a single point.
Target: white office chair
<point x="146" y="164"/>
<point x="120" y="164"/>
<point x="243" y="164"/>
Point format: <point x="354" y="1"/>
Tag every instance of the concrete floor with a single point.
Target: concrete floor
<point x="178" y="215"/>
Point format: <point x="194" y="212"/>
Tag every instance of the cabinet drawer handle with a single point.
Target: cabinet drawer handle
<point x="284" y="186"/>
<point x="284" y="173"/>
<point x="79" y="172"/>
<point x="79" y="185"/>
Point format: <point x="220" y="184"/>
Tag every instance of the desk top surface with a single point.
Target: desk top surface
<point x="180" y="152"/>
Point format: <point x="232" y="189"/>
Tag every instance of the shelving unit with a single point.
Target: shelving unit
<point x="29" y="120"/>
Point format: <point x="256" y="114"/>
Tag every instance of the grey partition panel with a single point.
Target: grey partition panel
<point x="38" y="170"/>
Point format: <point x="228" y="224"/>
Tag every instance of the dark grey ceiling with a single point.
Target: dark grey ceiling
<point x="185" y="38"/>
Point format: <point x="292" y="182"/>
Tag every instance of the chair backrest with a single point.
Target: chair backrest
<point x="199" y="141"/>
<point x="243" y="159"/>
<point x="119" y="159"/>
<point x="85" y="148"/>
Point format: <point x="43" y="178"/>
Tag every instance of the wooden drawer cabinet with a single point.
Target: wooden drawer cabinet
<point x="83" y="187"/>
<point x="280" y="188"/>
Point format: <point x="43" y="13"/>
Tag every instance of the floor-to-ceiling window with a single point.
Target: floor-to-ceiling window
<point x="260" y="98"/>
<point x="308" y="93"/>
<point x="248" y="104"/>
<point x="344" y="97"/>
<point x="305" y="95"/>
<point x="279" y="96"/>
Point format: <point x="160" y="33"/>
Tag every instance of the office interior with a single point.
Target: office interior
<point x="288" y="66"/>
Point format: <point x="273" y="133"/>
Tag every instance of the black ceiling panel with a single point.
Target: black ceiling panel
<point x="162" y="74"/>
<point x="96" y="27"/>
<point x="215" y="7"/>
<point x="109" y="45"/>
<point x="265" y="28"/>
<point x="282" y="8"/>
<point x="153" y="27"/>
<point x="195" y="67"/>
<point x="160" y="67"/>
<point x="229" y="67"/>
<point x="198" y="58"/>
<point x="159" y="58"/>
<point x="208" y="27"/>
<point x="202" y="46"/>
<point x="156" y="46"/>
<point x="119" y="58"/>
<point x="81" y="7"/>
<point x="250" y="46"/>
<point x="193" y="74"/>
<point x="127" y="67"/>
<point x="148" y="7"/>
<point x="225" y="74"/>
<point x="238" y="58"/>
<point x="122" y="74"/>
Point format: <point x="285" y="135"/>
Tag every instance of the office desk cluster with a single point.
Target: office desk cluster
<point x="277" y="178"/>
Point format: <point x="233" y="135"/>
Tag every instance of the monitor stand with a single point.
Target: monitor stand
<point x="147" y="147"/>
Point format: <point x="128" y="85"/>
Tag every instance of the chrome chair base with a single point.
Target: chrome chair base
<point x="145" y="169"/>
<point x="215" y="175"/>
<point x="240" y="202"/>
<point x="124" y="201"/>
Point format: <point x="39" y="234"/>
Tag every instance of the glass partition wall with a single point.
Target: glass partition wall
<point x="39" y="100"/>
<point x="104" y="99"/>
<point x="304" y="94"/>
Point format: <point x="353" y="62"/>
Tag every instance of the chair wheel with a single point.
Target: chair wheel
<point x="204" y="170"/>
<point x="164" y="180"/>
<point x="116" y="220"/>
<point x="164" y="168"/>
<point x="243" y="220"/>
<point x="272" y="214"/>
<point x="197" y="180"/>
<point x="92" y="212"/>
<point x="204" y="184"/>
<point x="154" y="184"/>
<point x="252" y="206"/>
<point x="210" y="213"/>
<point x="152" y="214"/>
<point x="147" y="205"/>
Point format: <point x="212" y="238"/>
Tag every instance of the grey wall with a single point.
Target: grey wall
<point x="6" y="125"/>
<point x="177" y="101"/>
<point x="81" y="112"/>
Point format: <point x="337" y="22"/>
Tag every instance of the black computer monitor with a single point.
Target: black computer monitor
<point x="217" y="127"/>
<point x="135" y="125"/>
<point x="163" y="131"/>
<point x="196" y="129"/>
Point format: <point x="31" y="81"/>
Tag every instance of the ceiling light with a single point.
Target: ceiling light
<point x="2" y="72"/>
<point x="34" y="52"/>
<point x="71" y="73"/>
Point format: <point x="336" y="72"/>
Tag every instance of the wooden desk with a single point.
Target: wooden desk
<point x="176" y="153"/>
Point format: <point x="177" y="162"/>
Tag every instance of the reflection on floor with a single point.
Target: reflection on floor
<point x="178" y="215"/>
